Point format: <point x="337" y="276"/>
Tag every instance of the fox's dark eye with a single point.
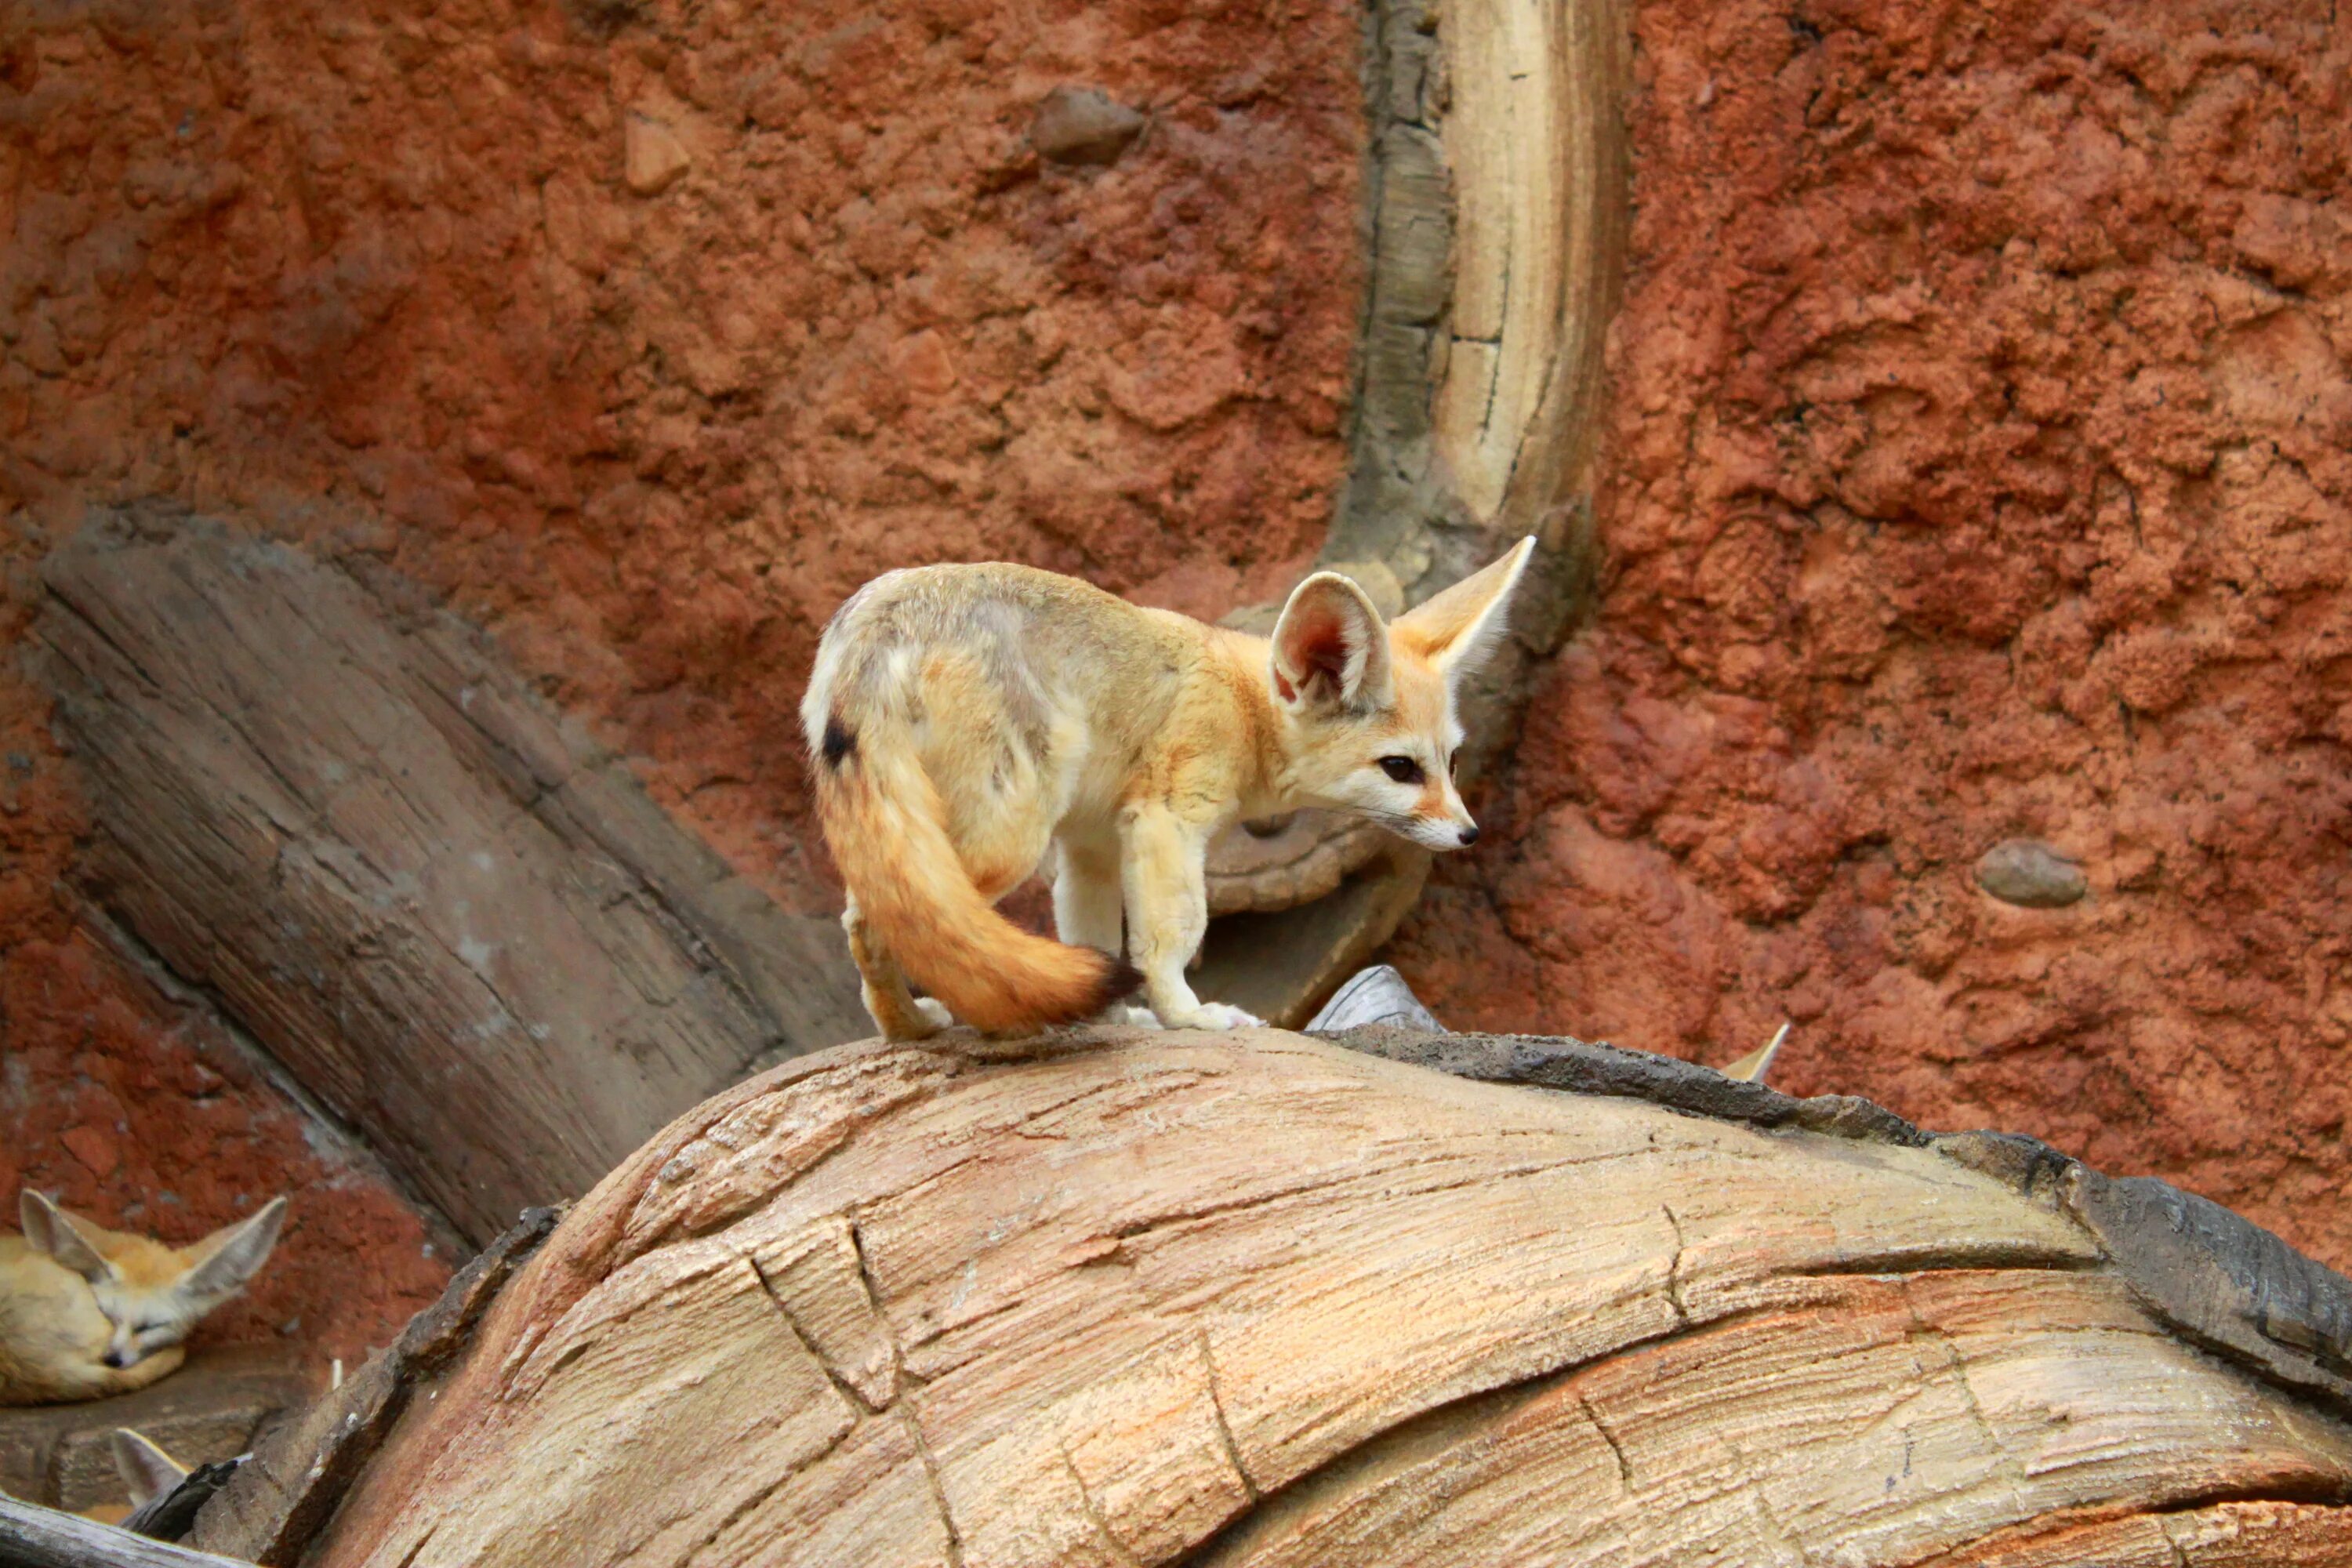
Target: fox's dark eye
<point x="1404" y="770"/>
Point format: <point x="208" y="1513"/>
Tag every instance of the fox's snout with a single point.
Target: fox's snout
<point x="117" y="1359"/>
<point x="1469" y="835"/>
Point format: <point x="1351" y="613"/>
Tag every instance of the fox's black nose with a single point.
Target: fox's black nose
<point x="114" y="1359"/>
<point x="1470" y="834"/>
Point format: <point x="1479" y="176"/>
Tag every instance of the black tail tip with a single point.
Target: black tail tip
<point x="839" y="742"/>
<point x="1120" y="979"/>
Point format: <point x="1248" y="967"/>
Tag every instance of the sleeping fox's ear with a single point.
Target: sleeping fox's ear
<point x="1330" y="644"/>
<point x="147" y="1471"/>
<point x="222" y="1262"/>
<point x="1459" y="630"/>
<point x="56" y="1232"/>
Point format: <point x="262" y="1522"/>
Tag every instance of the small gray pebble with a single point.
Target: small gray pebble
<point x="2027" y="872"/>
<point x="1083" y="125"/>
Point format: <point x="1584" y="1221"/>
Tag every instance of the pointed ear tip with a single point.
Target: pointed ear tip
<point x="1328" y="580"/>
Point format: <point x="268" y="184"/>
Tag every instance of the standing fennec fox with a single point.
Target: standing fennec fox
<point x="964" y="719"/>
<point x="86" y="1311"/>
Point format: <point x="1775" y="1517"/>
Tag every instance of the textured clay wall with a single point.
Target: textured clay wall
<point x="1977" y="469"/>
<point x="144" y="1117"/>
<point x="645" y="332"/>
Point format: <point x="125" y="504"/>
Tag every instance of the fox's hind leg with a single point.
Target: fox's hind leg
<point x="1088" y="910"/>
<point x="897" y="1011"/>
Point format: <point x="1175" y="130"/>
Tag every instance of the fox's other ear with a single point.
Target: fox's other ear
<point x="1330" y="643"/>
<point x="234" y="1254"/>
<point x="60" y="1236"/>
<point x="146" y="1470"/>
<point x="1459" y="629"/>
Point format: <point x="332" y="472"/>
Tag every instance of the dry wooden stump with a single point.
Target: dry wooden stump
<point x="1138" y="1298"/>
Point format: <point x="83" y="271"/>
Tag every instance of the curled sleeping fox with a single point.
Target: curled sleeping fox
<point x="86" y="1311"/>
<point x="966" y="721"/>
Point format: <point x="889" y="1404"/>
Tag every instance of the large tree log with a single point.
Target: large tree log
<point x="457" y="920"/>
<point x="1140" y="1297"/>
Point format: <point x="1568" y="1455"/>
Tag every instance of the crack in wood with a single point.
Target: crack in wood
<point x="1616" y="1448"/>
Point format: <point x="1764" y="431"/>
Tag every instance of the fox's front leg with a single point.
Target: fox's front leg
<point x="1160" y="864"/>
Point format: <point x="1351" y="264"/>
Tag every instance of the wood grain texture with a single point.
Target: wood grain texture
<point x="279" y="1499"/>
<point x="62" y="1456"/>
<point x="33" y="1537"/>
<point x="457" y="920"/>
<point x="1497" y="200"/>
<point x="1129" y="1297"/>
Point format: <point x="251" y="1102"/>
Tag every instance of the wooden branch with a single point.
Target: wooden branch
<point x="1497" y="198"/>
<point x="1143" y="1298"/>
<point x="281" y="1497"/>
<point x="457" y="920"/>
<point x="170" y="1516"/>
<point x="34" y="1537"/>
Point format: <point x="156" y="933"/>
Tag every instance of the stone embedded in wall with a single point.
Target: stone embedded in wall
<point x="652" y="156"/>
<point x="1083" y="125"/>
<point x="2031" y="874"/>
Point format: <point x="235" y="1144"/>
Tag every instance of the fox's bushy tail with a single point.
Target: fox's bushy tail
<point x="886" y="824"/>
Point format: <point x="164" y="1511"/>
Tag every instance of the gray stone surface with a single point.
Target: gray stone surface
<point x="1083" y="126"/>
<point x="2031" y="874"/>
<point x="1374" y="995"/>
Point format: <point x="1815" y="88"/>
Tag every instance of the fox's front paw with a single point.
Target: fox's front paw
<point x="1214" y="1016"/>
<point x="935" y="1012"/>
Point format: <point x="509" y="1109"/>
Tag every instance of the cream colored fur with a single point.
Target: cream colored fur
<point x="969" y="723"/>
<point x="86" y="1311"/>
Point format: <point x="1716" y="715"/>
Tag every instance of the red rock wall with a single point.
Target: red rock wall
<point x="1975" y="472"/>
<point x="141" y="1116"/>
<point x="1977" y="469"/>
<point x="647" y="332"/>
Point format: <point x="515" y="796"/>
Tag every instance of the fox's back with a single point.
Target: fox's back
<point x="1036" y="645"/>
<point x="52" y="1334"/>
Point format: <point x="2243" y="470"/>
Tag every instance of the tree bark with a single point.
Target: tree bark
<point x="1496" y="188"/>
<point x="456" y="919"/>
<point x="33" y="1537"/>
<point x="1139" y="1297"/>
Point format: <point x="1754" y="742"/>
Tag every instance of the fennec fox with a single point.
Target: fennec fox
<point x="86" y="1311"/>
<point x="963" y="720"/>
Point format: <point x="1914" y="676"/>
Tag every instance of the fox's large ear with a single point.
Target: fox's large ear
<point x="1459" y="629"/>
<point x="1331" y="644"/>
<point x="234" y="1254"/>
<point x="60" y="1236"/>
<point x="146" y="1470"/>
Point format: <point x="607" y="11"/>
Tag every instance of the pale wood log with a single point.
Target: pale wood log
<point x="1127" y="1297"/>
<point x="457" y="920"/>
<point x="36" y="1537"/>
